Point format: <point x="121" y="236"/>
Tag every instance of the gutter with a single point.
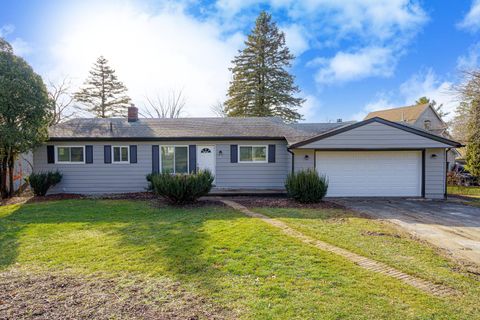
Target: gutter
<point x="293" y="159"/>
<point x="446" y="171"/>
<point x="220" y="138"/>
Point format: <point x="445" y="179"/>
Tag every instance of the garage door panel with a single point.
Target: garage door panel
<point x="371" y="173"/>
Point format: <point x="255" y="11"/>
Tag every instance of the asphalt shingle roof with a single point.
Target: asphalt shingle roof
<point x="408" y="114"/>
<point x="253" y="127"/>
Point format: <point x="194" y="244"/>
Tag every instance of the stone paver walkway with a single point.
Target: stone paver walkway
<point x="363" y="262"/>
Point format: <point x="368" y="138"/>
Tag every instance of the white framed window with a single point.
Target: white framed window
<point x="252" y="154"/>
<point x="120" y="154"/>
<point x="174" y="159"/>
<point x="70" y="154"/>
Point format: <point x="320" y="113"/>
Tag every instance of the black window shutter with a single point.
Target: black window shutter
<point x="133" y="154"/>
<point x="50" y="154"/>
<point x="233" y="153"/>
<point x="271" y="153"/>
<point x="88" y="154"/>
<point x="192" y="158"/>
<point x="107" y="154"/>
<point x="155" y="160"/>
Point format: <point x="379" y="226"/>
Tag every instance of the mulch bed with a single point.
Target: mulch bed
<point x="248" y="201"/>
<point x="278" y="202"/>
<point x="55" y="296"/>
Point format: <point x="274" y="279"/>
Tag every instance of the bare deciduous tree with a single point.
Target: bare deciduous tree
<point x="170" y="107"/>
<point x="61" y="97"/>
<point x="219" y="110"/>
<point x="468" y="116"/>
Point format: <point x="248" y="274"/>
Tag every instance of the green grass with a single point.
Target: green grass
<point x="471" y="194"/>
<point x="378" y="240"/>
<point x="234" y="261"/>
<point x="464" y="191"/>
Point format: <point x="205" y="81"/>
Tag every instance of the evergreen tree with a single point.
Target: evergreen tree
<point x="261" y="84"/>
<point x="103" y="94"/>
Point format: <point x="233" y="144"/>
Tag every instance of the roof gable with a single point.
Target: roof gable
<point x="385" y="134"/>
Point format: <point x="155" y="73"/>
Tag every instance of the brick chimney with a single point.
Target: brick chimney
<point x="132" y="113"/>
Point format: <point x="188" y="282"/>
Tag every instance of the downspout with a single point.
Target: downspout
<point x="446" y="171"/>
<point x="293" y="159"/>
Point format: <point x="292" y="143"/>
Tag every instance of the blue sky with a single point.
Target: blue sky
<point x="352" y="56"/>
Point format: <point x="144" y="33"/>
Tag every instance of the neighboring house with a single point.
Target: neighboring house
<point x="375" y="157"/>
<point x="422" y="116"/>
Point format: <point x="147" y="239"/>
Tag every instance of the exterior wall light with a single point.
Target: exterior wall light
<point x="306" y="157"/>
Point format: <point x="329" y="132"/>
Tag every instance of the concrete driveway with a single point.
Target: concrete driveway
<point x="451" y="226"/>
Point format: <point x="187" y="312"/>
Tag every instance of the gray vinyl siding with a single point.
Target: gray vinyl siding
<point x="301" y="163"/>
<point x="252" y="175"/>
<point x="98" y="177"/>
<point x="435" y="173"/>
<point x="428" y="114"/>
<point x="375" y="136"/>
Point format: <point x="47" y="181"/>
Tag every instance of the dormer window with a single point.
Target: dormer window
<point x="427" y="124"/>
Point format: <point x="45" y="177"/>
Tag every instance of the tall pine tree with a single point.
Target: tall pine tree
<point x="103" y="94"/>
<point x="261" y="84"/>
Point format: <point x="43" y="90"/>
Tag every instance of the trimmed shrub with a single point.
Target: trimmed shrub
<point x="41" y="182"/>
<point x="182" y="188"/>
<point x="306" y="186"/>
<point x="149" y="179"/>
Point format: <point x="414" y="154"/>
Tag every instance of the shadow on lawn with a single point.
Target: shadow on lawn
<point x="172" y="237"/>
<point x="10" y="229"/>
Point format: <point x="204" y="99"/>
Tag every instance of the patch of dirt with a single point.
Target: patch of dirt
<point x="56" y="197"/>
<point x="56" y="296"/>
<point x="280" y="202"/>
<point x="125" y="196"/>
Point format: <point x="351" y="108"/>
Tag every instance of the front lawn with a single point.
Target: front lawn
<point x="472" y="191"/>
<point x="471" y="194"/>
<point x="238" y="266"/>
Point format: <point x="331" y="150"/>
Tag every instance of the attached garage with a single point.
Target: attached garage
<point x="371" y="173"/>
<point x="377" y="158"/>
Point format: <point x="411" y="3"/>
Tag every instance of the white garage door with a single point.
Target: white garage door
<point x="371" y="173"/>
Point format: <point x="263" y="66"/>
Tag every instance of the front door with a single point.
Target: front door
<point x="206" y="158"/>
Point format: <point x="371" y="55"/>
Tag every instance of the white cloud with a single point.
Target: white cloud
<point x="471" y="59"/>
<point x="20" y="46"/>
<point x="471" y="21"/>
<point x="425" y="83"/>
<point x="382" y="28"/>
<point x="428" y="84"/>
<point x="366" y="18"/>
<point x="381" y="19"/>
<point x="380" y="103"/>
<point x="296" y="39"/>
<point x="348" y="66"/>
<point x="6" y="30"/>
<point x="152" y="53"/>
<point x="310" y="107"/>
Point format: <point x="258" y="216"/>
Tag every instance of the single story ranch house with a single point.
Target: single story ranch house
<point x="370" y="158"/>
